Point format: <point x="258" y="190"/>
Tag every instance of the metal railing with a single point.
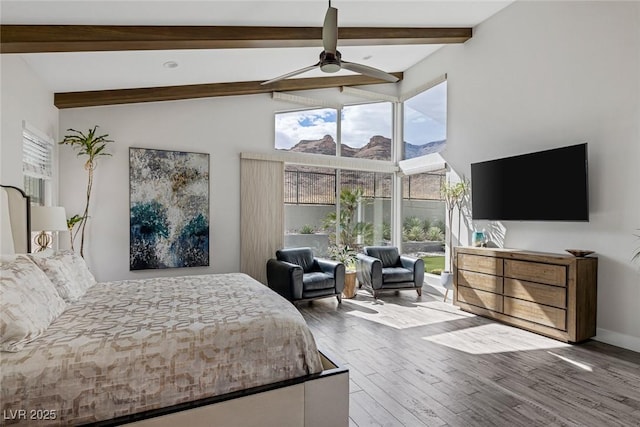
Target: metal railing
<point x="302" y="187"/>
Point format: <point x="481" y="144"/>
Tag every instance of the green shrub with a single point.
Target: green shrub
<point x="435" y="234"/>
<point x="307" y="229"/>
<point x="437" y="271"/>
<point x="415" y="233"/>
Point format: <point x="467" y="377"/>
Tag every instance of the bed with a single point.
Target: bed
<point x="217" y="349"/>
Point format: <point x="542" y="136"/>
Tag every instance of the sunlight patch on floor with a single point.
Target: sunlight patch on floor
<point x="401" y="316"/>
<point x="580" y="365"/>
<point x="494" y="338"/>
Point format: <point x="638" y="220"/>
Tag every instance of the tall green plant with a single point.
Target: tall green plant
<point x="91" y="146"/>
<point x="350" y="228"/>
<point x="454" y="195"/>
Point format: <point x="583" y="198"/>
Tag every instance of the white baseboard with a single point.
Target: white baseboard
<point x="619" y="340"/>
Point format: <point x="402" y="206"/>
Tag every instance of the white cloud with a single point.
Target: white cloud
<point x="295" y="126"/>
<point x="361" y="122"/>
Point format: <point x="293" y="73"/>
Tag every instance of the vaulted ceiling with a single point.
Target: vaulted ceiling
<point x="110" y="52"/>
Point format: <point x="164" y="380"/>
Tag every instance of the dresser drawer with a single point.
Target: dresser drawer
<point x="479" y="298"/>
<point x="536" y="272"/>
<point x="541" y="314"/>
<point x="542" y="294"/>
<point x="485" y="282"/>
<point x="480" y="264"/>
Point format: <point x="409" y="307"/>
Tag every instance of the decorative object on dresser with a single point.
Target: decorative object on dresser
<point x="91" y="146"/>
<point x="44" y="219"/>
<point x="550" y="294"/>
<point x="169" y="209"/>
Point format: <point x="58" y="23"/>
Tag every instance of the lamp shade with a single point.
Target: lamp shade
<point x="48" y="218"/>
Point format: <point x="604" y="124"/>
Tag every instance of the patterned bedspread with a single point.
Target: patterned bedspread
<point x="135" y="345"/>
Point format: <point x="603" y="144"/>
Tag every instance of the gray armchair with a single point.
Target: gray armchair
<point x="382" y="268"/>
<point x="297" y="275"/>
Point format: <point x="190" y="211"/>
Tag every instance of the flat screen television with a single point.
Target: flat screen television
<point x="550" y="185"/>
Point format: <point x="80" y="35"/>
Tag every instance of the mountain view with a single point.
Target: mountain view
<point x="378" y="148"/>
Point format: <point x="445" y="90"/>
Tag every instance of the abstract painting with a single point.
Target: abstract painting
<point x="168" y="209"/>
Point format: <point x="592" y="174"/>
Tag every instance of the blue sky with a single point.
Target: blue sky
<point x="425" y="121"/>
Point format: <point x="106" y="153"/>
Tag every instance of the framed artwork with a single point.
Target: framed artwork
<point x="168" y="209"/>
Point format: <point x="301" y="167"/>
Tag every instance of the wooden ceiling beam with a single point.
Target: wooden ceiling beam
<point x="85" y="38"/>
<point x="173" y="93"/>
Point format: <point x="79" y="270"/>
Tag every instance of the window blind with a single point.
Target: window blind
<point x="37" y="156"/>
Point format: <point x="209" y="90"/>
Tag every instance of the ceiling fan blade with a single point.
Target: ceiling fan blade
<point x="369" y="71"/>
<point x="291" y="74"/>
<point x="330" y="31"/>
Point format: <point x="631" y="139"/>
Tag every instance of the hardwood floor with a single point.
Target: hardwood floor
<point x="416" y="361"/>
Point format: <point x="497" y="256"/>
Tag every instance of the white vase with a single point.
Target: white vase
<point x="446" y="279"/>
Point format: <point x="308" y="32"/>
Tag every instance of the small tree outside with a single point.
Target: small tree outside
<point x="350" y="228"/>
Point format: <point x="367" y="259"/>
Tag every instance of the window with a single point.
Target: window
<point x="366" y="131"/>
<point x="326" y="206"/>
<point x="37" y="166"/>
<point x="307" y="131"/>
<point x="425" y="122"/>
<point x="311" y="214"/>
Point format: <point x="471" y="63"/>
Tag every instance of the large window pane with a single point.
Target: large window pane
<point x="425" y="122"/>
<point x="310" y="198"/>
<point x="423" y="219"/>
<point x="308" y="131"/>
<point x="366" y="131"/>
<point x="365" y="208"/>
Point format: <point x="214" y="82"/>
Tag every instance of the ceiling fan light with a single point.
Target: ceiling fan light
<point x="330" y="67"/>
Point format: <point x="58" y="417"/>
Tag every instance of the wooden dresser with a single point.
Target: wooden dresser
<point x="551" y="294"/>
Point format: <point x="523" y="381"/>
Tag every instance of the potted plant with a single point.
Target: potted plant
<point x="92" y="146"/>
<point x="347" y="256"/>
<point x="454" y="195"/>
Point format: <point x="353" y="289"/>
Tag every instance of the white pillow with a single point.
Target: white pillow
<point x="28" y="303"/>
<point x="67" y="271"/>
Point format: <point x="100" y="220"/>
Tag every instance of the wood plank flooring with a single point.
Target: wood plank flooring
<point x="416" y="361"/>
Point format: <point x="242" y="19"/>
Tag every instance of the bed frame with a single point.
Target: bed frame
<point x="317" y="400"/>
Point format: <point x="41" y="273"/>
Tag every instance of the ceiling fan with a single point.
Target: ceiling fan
<point x="331" y="59"/>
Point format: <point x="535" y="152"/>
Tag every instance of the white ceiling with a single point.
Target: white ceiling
<point x="66" y="72"/>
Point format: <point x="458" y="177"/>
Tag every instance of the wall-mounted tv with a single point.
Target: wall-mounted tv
<point x="550" y="185"/>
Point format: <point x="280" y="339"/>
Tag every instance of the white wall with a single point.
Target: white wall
<point x="222" y="127"/>
<point x="540" y="75"/>
<point x="24" y="97"/>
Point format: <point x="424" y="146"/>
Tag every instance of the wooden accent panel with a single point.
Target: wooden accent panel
<point x="481" y="264"/>
<point x="485" y="282"/>
<point x="93" y="38"/>
<point x="487" y="300"/>
<point x="543" y="294"/>
<point x="261" y="215"/>
<point x="542" y="314"/>
<point x="173" y="93"/>
<point x="536" y="272"/>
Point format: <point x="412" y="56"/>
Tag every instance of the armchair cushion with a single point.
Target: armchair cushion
<point x="396" y="274"/>
<point x="299" y="256"/>
<point x="315" y="281"/>
<point x="388" y="255"/>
